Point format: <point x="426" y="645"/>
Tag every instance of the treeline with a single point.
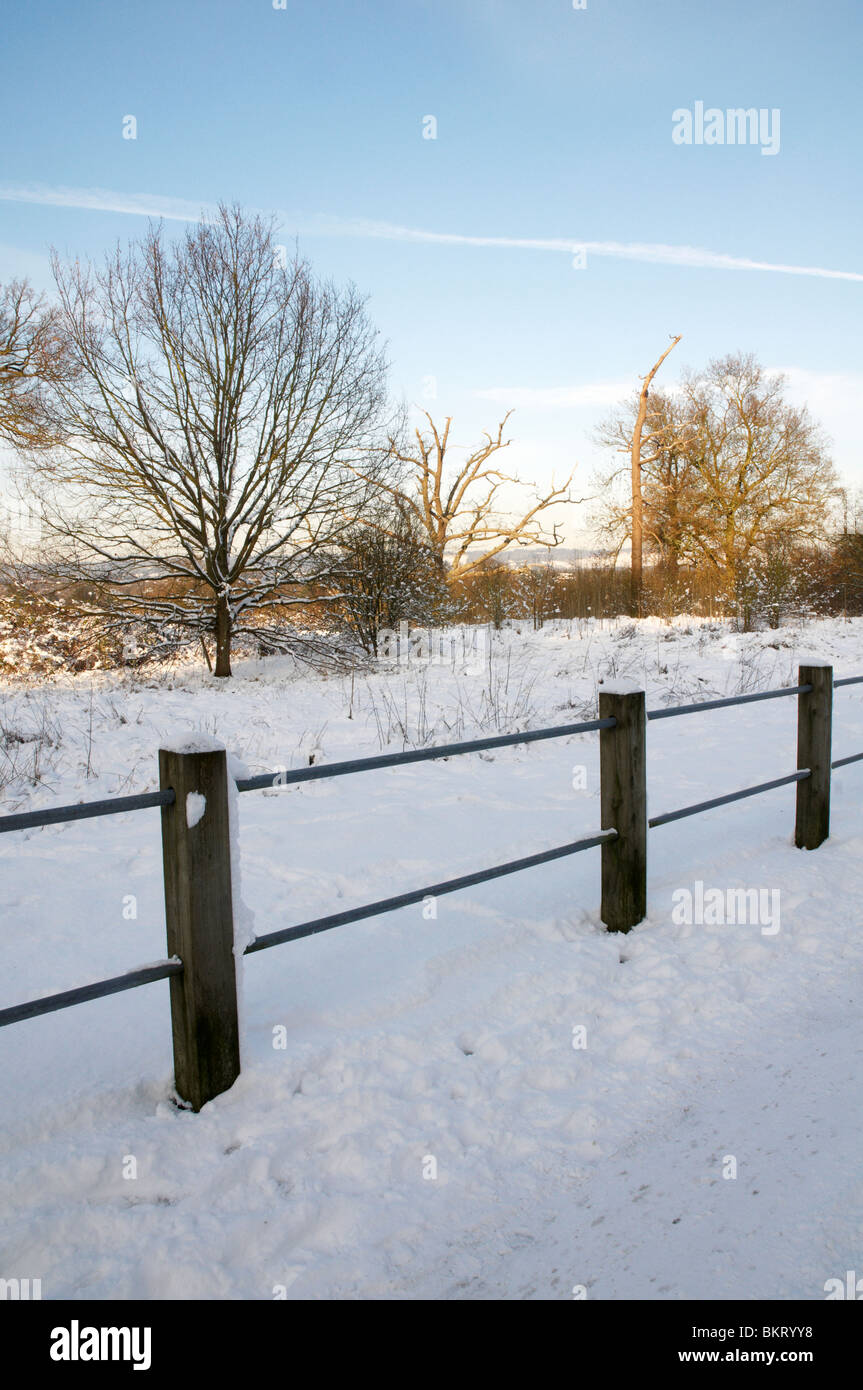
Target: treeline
<point x="787" y="584"/>
<point x="47" y="632"/>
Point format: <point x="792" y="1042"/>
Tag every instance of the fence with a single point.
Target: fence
<point x="196" y="853"/>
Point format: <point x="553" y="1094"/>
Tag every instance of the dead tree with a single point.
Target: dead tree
<point x="637" y="501"/>
<point x="456" y="504"/>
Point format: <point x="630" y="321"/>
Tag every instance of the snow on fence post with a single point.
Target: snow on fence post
<point x="623" y="795"/>
<point x="196" y="852"/>
<point x="814" y="721"/>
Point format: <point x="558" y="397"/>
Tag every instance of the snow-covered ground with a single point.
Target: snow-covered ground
<point x="502" y="1101"/>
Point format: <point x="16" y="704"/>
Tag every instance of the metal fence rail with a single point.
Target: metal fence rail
<point x="25" y="820"/>
<point x="196" y="857"/>
<point x="415" y="755"/>
<point x="843" y="762"/>
<point x="418" y="895"/>
<point x="84" y="810"/>
<point x="144" y="975"/>
<point x="725" y="800"/>
<point x="674" y="710"/>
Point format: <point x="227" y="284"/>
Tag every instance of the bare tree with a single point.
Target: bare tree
<point x="539" y="589"/>
<point x="221" y="401"/>
<point x="389" y="575"/>
<point x="488" y="593"/>
<point x="763" y="464"/>
<point x="456" y="503"/>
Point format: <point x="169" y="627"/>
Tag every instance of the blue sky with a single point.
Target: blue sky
<point x="554" y="129"/>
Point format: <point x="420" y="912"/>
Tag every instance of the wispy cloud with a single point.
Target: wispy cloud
<point x="654" y="253"/>
<point x="184" y="210"/>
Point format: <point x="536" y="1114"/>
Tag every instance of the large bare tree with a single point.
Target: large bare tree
<point x="763" y="463"/>
<point x="220" y="404"/>
<point x="456" y="502"/>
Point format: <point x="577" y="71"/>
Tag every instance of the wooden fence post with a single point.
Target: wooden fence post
<point x="623" y="794"/>
<point x="814" y="721"/>
<point x="196" y="850"/>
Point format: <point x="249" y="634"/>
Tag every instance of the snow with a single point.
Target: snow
<point x="581" y="1094"/>
<point x="196" y="805"/>
<point x="620" y="687"/>
<point x="198" y="742"/>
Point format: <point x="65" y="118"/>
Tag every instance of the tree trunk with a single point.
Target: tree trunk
<point x="637" y="509"/>
<point x="223" y="637"/>
<point x="637" y="505"/>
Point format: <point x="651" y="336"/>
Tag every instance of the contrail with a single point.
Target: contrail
<point x="183" y="210"/>
<point x="101" y="200"/>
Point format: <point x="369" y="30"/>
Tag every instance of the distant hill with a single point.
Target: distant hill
<point x="562" y="557"/>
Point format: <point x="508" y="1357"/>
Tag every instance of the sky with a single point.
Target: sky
<point x="500" y="177"/>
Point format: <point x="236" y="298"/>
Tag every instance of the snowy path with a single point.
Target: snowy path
<point x="658" y="1220"/>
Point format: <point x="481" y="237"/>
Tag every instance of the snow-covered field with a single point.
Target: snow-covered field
<point x="433" y="1127"/>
